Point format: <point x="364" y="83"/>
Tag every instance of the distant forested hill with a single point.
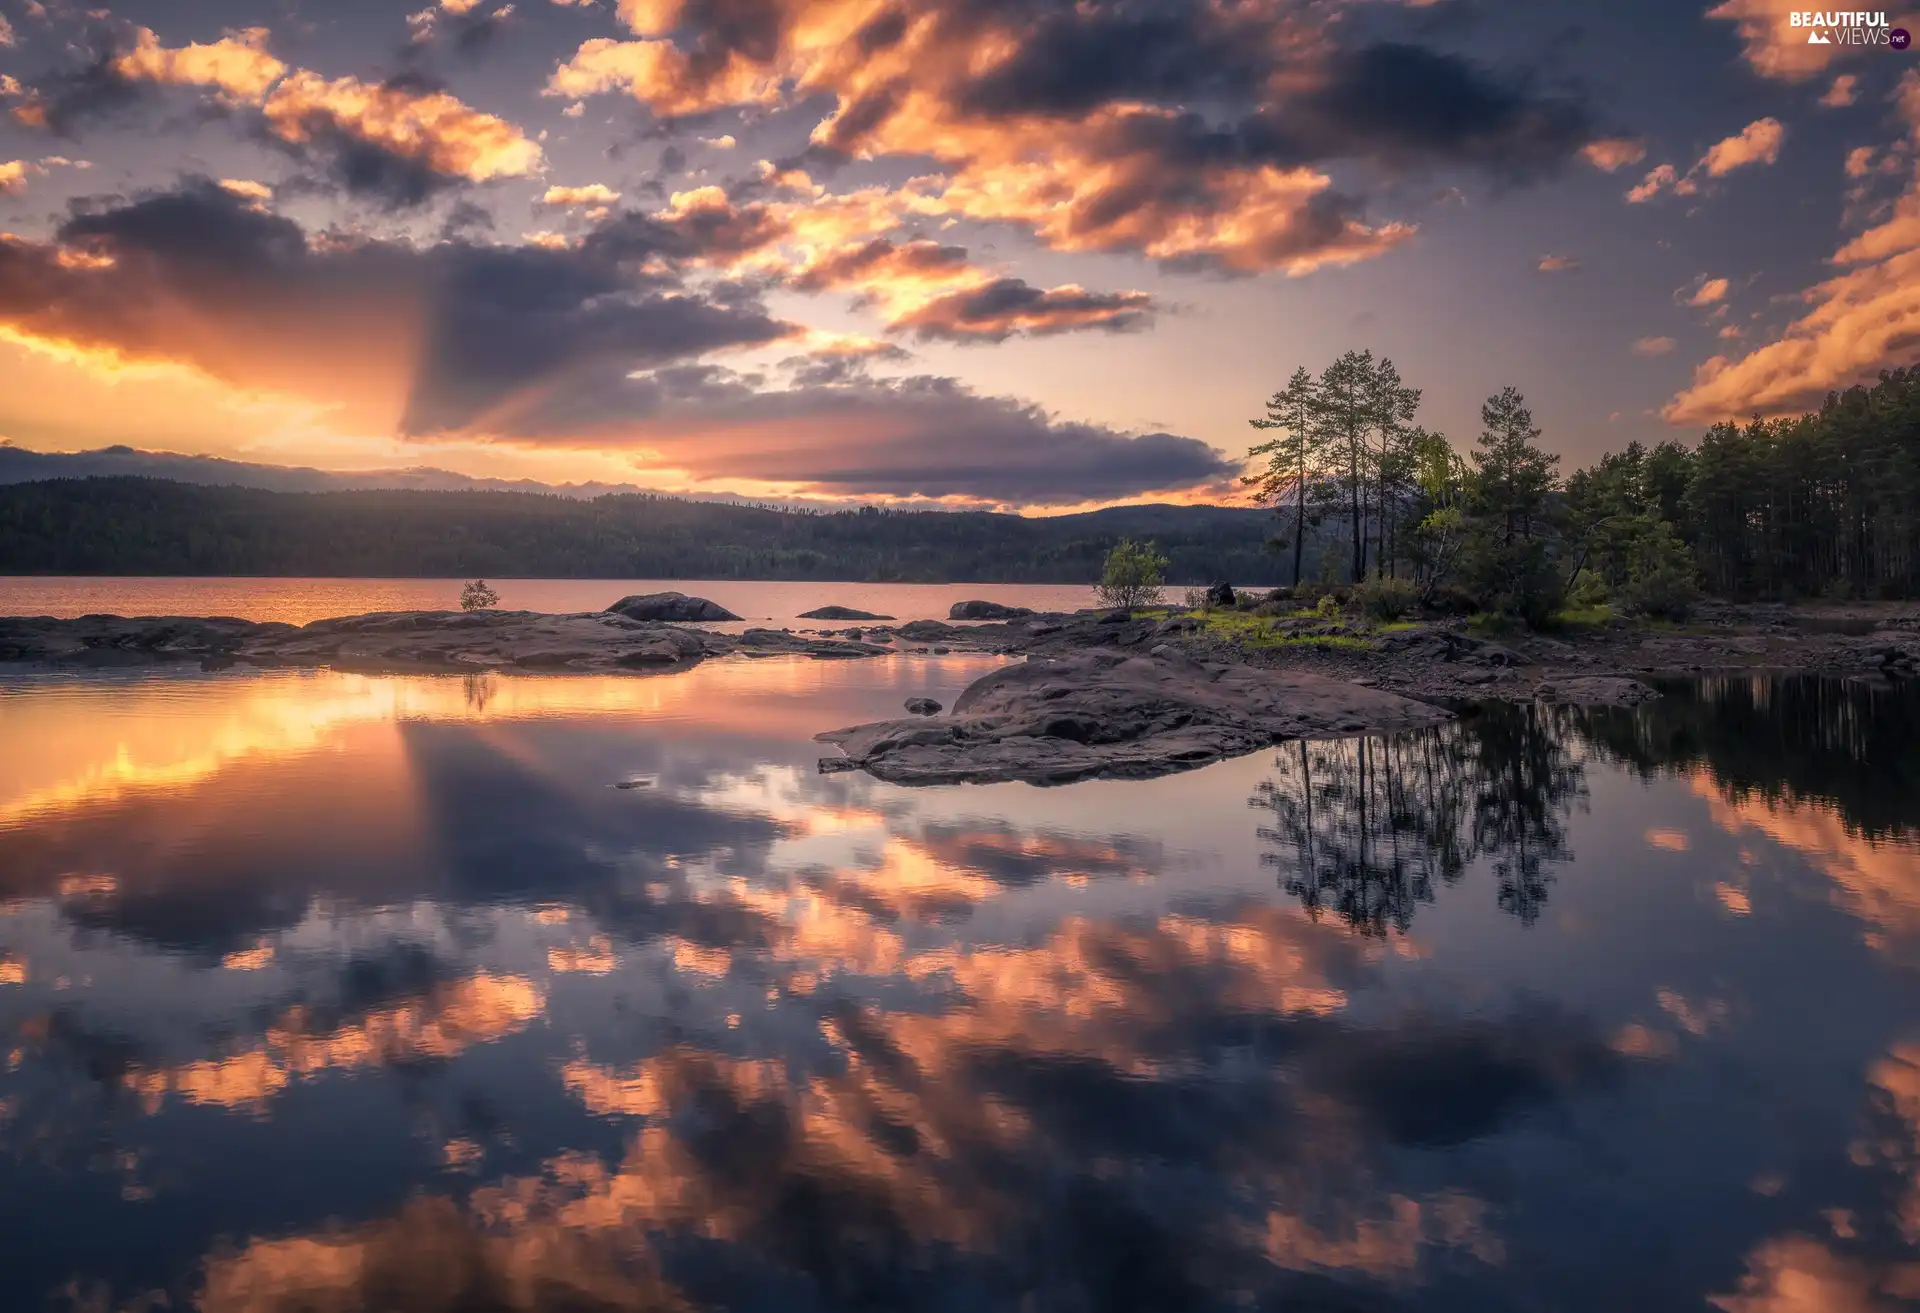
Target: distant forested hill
<point x="142" y="526"/>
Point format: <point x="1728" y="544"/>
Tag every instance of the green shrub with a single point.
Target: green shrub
<point x="1386" y="599"/>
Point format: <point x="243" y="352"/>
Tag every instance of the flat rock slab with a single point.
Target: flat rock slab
<point x="402" y="642"/>
<point x="1596" y="691"/>
<point x="1108" y="715"/>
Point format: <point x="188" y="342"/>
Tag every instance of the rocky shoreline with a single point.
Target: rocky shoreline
<point x="1112" y="693"/>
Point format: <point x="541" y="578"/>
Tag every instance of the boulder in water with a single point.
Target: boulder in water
<point x="840" y="613"/>
<point x="676" y="607"/>
<point x="923" y="706"/>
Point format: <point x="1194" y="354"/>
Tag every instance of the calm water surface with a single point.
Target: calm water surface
<point x="299" y="601"/>
<point x="320" y="992"/>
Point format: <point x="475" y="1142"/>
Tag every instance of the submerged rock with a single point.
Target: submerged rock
<point x="1596" y="691"/>
<point x="676" y="607"/>
<point x="1105" y="714"/>
<point x="840" y="613"/>
<point x="977" y="610"/>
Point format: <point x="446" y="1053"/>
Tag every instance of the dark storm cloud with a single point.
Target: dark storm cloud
<point x="856" y="436"/>
<point x="1006" y="306"/>
<point x="541" y="346"/>
<point x="201" y="276"/>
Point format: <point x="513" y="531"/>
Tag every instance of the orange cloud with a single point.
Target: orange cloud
<point x="1774" y="48"/>
<point x="1860" y="319"/>
<point x="1116" y="176"/>
<point x="1709" y="291"/>
<point x="659" y="75"/>
<point x="237" y="65"/>
<point x="1657" y="180"/>
<point x="1844" y="91"/>
<point x="434" y="129"/>
<point x="1757" y="143"/>
<point x="594" y="193"/>
<point x="1611" y="154"/>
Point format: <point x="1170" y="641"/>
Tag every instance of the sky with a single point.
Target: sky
<point x="1026" y="254"/>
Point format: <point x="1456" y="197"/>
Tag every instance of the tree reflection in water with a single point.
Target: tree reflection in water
<point x="1365" y="828"/>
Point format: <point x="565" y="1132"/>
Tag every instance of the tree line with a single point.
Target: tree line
<point x="142" y="526"/>
<point x="1828" y="502"/>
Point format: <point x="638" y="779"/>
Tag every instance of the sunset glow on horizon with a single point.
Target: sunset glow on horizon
<point x="1039" y="257"/>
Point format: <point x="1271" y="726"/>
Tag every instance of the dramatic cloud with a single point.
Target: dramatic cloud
<point x="398" y="142"/>
<point x="1844" y="91"/>
<point x="453" y="336"/>
<point x="1862" y="320"/>
<point x="1079" y="126"/>
<point x="563" y="346"/>
<point x="1757" y="143"/>
<point x="13" y="176"/>
<point x="393" y="141"/>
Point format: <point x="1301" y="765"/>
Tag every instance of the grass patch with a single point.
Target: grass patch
<point x="1258" y="631"/>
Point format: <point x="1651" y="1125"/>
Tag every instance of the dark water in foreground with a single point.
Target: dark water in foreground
<point x="321" y="992"/>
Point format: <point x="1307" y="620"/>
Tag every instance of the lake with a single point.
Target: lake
<point x="299" y="601"/>
<point x="327" y="992"/>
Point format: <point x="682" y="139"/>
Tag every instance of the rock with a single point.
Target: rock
<point x="1116" y="618"/>
<point x="676" y="607"/>
<point x="1596" y="691"/>
<point x="923" y="706"/>
<point x="1161" y="650"/>
<point x="840" y="613"/>
<point x="941" y="651"/>
<point x="921" y="631"/>
<point x="1042" y="629"/>
<point x="987" y="611"/>
<point x="1220" y="594"/>
<point x="110" y="640"/>
<point x="1105" y="714"/>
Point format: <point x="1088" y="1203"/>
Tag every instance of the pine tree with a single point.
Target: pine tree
<point x="1295" y="461"/>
